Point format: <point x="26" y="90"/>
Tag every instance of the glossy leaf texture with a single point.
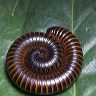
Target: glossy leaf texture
<point x="79" y="16"/>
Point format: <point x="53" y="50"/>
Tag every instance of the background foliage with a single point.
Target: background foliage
<point x="79" y="16"/>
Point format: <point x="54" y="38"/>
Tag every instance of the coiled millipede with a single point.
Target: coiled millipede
<point x="45" y="63"/>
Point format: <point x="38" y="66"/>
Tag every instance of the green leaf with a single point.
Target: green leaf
<point x="79" y="16"/>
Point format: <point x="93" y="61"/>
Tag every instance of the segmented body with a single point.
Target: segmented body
<point x="45" y="63"/>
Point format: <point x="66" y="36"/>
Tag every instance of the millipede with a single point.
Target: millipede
<point x="45" y="63"/>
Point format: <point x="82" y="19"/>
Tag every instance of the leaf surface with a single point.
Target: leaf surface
<point x="79" y="16"/>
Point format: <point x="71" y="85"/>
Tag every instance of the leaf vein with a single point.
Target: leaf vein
<point x="14" y="8"/>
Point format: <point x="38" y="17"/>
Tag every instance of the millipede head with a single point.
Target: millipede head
<point x="45" y="63"/>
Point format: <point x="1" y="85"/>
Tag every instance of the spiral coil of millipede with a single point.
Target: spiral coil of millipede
<point x="45" y="63"/>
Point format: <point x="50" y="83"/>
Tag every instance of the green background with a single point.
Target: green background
<point x="79" y="16"/>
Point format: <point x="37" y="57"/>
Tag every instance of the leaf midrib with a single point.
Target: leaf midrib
<point x="72" y="29"/>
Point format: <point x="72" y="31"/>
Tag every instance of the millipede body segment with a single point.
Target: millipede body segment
<point x="45" y="63"/>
